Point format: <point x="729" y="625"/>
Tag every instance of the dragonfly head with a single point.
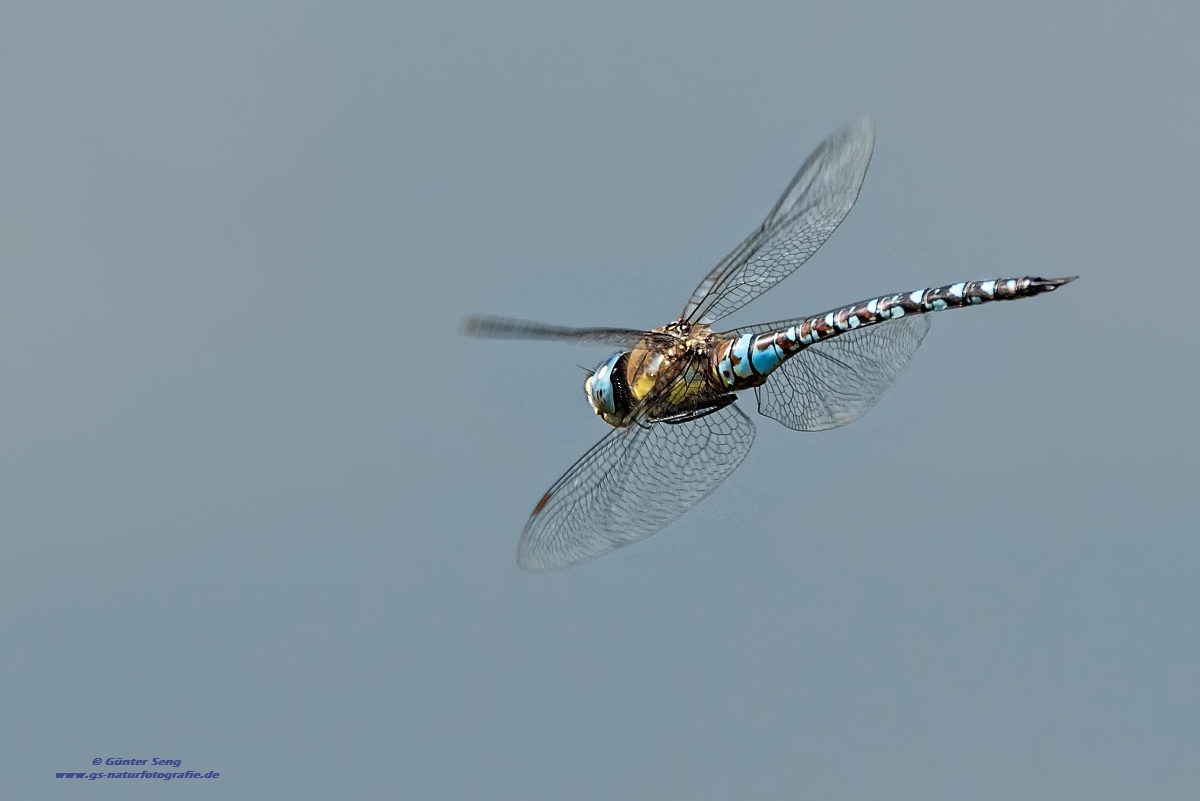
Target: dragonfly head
<point x="607" y="390"/>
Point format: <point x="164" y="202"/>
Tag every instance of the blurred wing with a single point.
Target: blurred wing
<point x="835" y="382"/>
<point x="812" y="207"/>
<point x="507" y="328"/>
<point x="631" y="484"/>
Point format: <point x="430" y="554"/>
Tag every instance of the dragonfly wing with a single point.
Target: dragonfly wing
<point x="630" y="485"/>
<point x="811" y="208"/>
<point x="833" y="383"/>
<point x="508" y="328"/>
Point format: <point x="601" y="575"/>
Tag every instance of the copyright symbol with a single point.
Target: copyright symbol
<point x="97" y="761"/>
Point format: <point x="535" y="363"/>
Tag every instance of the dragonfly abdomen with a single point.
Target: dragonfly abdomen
<point x="745" y="361"/>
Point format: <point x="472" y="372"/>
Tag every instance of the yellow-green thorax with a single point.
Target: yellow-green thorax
<point x="650" y="362"/>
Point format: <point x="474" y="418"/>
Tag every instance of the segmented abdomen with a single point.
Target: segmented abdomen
<point x="745" y="361"/>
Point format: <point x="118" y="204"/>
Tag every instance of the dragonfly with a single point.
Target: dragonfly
<point x="669" y="393"/>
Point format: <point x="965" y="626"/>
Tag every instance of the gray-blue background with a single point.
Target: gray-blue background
<point x="260" y="502"/>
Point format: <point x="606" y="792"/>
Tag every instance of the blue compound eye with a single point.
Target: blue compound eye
<point x="599" y="387"/>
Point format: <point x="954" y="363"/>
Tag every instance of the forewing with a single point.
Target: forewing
<point x="835" y="382"/>
<point x="508" y="328"/>
<point x="811" y="208"/>
<point x="630" y="485"/>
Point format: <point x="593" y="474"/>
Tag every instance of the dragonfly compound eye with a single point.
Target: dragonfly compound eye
<point x="605" y="389"/>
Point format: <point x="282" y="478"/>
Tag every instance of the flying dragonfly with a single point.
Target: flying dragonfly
<point x="669" y="393"/>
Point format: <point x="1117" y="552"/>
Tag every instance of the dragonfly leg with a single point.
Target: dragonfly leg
<point x="695" y="412"/>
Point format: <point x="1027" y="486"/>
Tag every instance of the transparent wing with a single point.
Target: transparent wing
<point x="507" y="328"/>
<point x="631" y="484"/>
<point x="835" y="382"/>
<point x="811" y="208"/>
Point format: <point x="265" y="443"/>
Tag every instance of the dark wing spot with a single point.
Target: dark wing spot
<point x="542" y="503"/>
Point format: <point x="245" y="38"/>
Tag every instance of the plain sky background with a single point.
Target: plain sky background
<point x="259" y="501"/>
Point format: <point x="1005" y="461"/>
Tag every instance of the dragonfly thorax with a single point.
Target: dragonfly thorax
<point x="607" y="391"/>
